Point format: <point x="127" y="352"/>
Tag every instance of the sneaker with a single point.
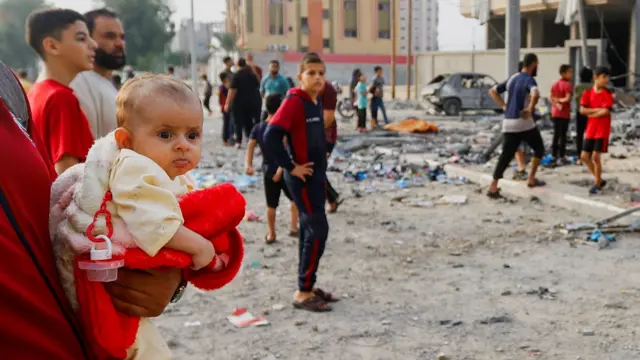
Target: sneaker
<point x="520" y="175"/>
<point x="595" y="189"/>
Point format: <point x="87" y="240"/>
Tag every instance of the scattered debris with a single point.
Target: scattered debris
<point x="442" y="356"/>
<point x="496" y="320"/>
<point x="192" y="324"/>
<point x="588" y="332"/>
<point x="544" y="293"/>
<point x="243" y="318"/>
<point x="452" y="200"/>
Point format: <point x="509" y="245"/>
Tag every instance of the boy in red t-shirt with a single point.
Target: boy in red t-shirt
<point x="596" y="103"/>
<point x="62" y="40"/>
<point x="560" y="97"/>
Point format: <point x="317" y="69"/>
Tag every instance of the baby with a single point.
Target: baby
<point x="144" y="165"/>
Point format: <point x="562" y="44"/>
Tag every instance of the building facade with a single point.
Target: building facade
<point x="360" y="27"/>
<point x="204" y="33"/>
<point x="610" y="31"/>
<point x="424" y="24"/>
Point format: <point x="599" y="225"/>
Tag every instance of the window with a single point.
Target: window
<point x="384" y="19"/>
<point x="304" y="25"/>
<point x="326" y="14"/>
<point x="249" y="14"/>
<point x="351" y="18"/>
<point x="276" y="17"/>
<point x="326" y="43"/>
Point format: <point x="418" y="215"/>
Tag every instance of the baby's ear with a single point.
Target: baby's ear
<point x="123" y="138"/>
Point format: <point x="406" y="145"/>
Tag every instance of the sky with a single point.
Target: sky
<point x="454" y="31"/>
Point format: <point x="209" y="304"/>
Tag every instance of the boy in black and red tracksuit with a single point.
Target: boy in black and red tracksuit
<point x="300" y="119"/>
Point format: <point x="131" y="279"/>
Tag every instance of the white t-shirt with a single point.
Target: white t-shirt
<point x="97" y="96"/>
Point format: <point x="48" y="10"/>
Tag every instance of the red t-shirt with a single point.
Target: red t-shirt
<point x="60" y="121"/>
<point x="329" y="99"/>
<point x="33" y="325"/>
<point x="559" y="90"/>
<point x="600" y="127"/>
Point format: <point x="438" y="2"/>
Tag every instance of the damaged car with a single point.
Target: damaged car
<point x="453" y="93"/>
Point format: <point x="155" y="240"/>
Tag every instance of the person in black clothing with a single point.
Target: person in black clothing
<point x="208" y="92"/>
<point x="273" y="181"/>
<point x="240" y="101"/>
<point x="586" y="83"/>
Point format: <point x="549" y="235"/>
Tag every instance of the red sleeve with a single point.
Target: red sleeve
<point x="586" y="96"/>
<point x="568" y="89"/>
<point x="329" y="98"/>
<point x="68" y="128"/>
<point x="291" y="108"/>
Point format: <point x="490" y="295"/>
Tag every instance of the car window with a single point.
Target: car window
<point x="485" y="81"/>
<point x="467" y="81"/>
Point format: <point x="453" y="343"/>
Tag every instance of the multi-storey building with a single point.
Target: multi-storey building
<point x="424" y="24"/>
<point x="609" y="23"/>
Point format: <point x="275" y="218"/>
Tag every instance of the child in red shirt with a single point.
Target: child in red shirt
<point x="62" y="40"/>
<point x="560" y="97"/>
<point x="596" y="103"/>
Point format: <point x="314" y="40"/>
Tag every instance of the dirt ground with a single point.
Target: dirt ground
<point x="482" y="280"/>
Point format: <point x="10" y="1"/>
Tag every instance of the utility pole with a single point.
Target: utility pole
<point x="636" y="20"/>
<point x="394" y="35"/>
<point x="512" y="42"/>
<point x="192" y="32"/>
<point x="583" y="34"/>
<point x="409" y="36"/>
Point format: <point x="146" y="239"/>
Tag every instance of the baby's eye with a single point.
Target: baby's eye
<point x="164" y="135"/>
<point x="192" y="135"/>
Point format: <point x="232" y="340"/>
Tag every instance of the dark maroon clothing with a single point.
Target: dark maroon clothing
<point x="329" y="99"/>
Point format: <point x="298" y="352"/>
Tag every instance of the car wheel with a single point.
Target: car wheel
<point x="452" y="107"/>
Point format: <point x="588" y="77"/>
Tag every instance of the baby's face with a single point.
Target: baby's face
<point x="170" y="135"/>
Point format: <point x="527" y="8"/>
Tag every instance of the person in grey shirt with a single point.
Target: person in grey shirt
<point x="377" y="87"/>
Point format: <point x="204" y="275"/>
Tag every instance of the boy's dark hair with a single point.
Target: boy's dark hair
<point x="92" y="15"/>
<point x="242" y="62"/>
<point x="275" y="62"/>
<point x="272" y="103"/>
<point x="223" y="76"/>
<point x="564" y="68"/>
<point x="44" y="23"/>
<point x="171" y="69"/>
<point x="226" y="59"/>
<point x="309" y="58"/>
<point x="529" y="59"/>
<point x="601" y="70"/>
<point x="586" y="75"/>
<point x="377" y="68"/>
<point x="520" y="66"/>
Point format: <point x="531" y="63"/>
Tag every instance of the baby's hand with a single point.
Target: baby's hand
<point x="204" y="255"/>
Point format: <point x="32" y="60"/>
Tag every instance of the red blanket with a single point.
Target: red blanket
<point x="214" y="213"/>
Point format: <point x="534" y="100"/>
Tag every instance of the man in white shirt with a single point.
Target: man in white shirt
<point x="95" y="89"/>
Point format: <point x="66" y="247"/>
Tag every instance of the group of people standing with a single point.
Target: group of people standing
<point x="594" y="102"/>
<point x="359" y="92"/>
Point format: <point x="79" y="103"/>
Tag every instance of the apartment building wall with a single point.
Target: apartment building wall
<point x="327" y="26"/>
<point x="425" y="25"/>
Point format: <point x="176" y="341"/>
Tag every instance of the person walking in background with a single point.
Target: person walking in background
<point x="518" y="125"/>
<point x="254" y="67"/>
<point x="208" y="92"/>
<point x="171" y="71"/>
<point x="62" y="40"/>
<point x="272" y="174"/>
<point x="95" y="89"/>
<point x="24" y="80"/>
<point x="228" y="64"/>
<point x="377" y="102"/>
<point x="361" y="100"/>
<point x="223" y="91"/>
<point x="241" y="100"/>
<point x="596" y="103"/>
<point x="274" y="83"/>
<point x="560" y="97"/>
<point x="586" y="83"/>
<point x="355" y="78"/>
<point x="329" y="99"/>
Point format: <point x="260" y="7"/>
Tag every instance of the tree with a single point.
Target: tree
<point x="148" y="28"/>
<point x="14" y="50"/>
<point x="226" y="41"/>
